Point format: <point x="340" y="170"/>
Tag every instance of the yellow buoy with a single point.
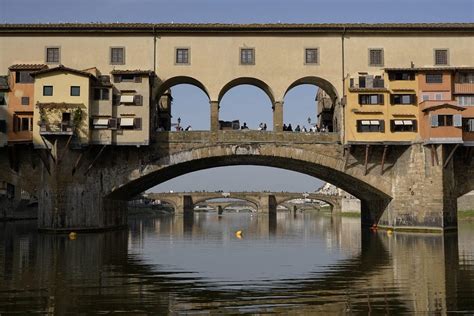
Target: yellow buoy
<point x="238" y="234"/>
<point x="72" y="235"/>
<point x="389" y="232"/>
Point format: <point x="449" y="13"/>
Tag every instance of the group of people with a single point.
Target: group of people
<point x="261" y="127"/>
<point x="180" y="128"/>
<point x="313" y="128"/>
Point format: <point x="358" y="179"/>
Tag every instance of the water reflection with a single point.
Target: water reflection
<point x="303" y="263"/>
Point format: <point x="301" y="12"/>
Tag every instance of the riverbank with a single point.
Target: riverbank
<point x="466" y="215"/>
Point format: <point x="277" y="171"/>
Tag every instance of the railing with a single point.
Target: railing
<point x="460" y="88"/>
<point x="56" y="128"/>
<point x="246" y="136"/>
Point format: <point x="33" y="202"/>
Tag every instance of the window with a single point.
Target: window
<point x="469" y="125"/>
<point x="25" y="100"/>
<point x="403" y="99"/>
<point x="182" y="56"/>
<point x="434" y="78"/>
<point x="441" y="57"/>
<point x="376" y="57"/>
<point x="23" y="77"/>
<point x="465" y="100"/>
<point x="52" y="55"/>
<point x="446" y="120"/>
<point x="75" y="91"/>
<point x="101" y="94"/>
<point x="311" y="56"/>
<point x="3" y="101"/>
<point x="47" y="90"/>
<point x="401" y="76"/>
<point x="247" y="56"/>
<point x="466" y="77"/>
<point x="425" y="97"/>
<point x="3" y="126"/>
<point x="371" y="99"/>
<point x="117" y="55"/>
<point x="438" y="96"/>
<point x="370" y="126"/>
<point x="403" y="125"/>
<point x="130" y="123"/>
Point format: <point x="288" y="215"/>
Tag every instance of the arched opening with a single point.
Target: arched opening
<point x="246" y="100"/>
<point x="183" y="105"/>
<point x="223" y="204"/>
<point x="310" y="104"/>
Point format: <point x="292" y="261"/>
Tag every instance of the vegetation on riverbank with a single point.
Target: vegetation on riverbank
<point x="466" y="215"/>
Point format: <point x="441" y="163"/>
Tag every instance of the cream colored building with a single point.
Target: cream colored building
<point x="217" y="57"/>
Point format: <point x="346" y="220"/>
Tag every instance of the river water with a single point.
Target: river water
<point x="301" y="264"/>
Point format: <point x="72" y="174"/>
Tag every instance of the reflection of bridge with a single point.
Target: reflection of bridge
<point x="266" y="202"/>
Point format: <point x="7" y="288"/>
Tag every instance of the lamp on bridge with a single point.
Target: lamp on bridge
<point x="309" y="121"/>
<point x="179" y="122"/>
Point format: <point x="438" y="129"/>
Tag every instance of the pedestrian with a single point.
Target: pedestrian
<point x="297" y="129"/>
<point x="260" y="126"/>
<point x="189" y="128"/>
<point x="289" y="128"/>
<point x="303" y="129"/>
<point x="285" y="128"/>
<point x="244" y="126"/>
<point x="265" y="126"/>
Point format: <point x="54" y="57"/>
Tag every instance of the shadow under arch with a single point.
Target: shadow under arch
<point x="328" y="201"/>
<point x="214" y="156"/>
<point x="316" y="81"/>
<point x="169" y="83"/>
<point x="247" y="81"/>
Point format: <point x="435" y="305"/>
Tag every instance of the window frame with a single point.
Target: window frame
<point x="25" y="103"/>
<point x="176" y="49"/>
<point x="371" y="127"/>
<point x="111" y="62"/>
<point x="44" y="91"/>
<point x="433" y="74"/>
<point x="75" y="95"/>
<point x="100" y="91"/>
<point x="435" y="51"/>
<point x="241" y="49"/>
<point x="46" y="55"/>
<point x="306" y="49"/>
<point x="382" y="57"/>
<point x="18" y="77"/>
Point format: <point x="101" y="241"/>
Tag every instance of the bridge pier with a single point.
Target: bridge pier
<point x="278" y="116"/>
<point x="268" y="204"/>
<point x="423" y="195"/>
<point x="214" y="115"/>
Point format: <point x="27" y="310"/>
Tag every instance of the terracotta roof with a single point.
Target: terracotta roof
<point x="216" y="27"/>
<point x="431" y="106"/>
<point x="134" y="72"/>
<point x="63" y="68"/>
<point x="424" y="69"/>
<point x="27" y="67"/>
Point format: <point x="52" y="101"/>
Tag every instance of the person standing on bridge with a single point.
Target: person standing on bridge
<point x="244" y="126"/>
<point x="297" y="129"/>
<point x="285" y="128"/>
<point x="290" y="128"/>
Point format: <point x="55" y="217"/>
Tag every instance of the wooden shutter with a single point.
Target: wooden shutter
<point x="392" y="99"/>
<point x="3" y="126"/>
<point x="138" y="123"/>
<point x="382" y="126"/>
<point x="391" y="76"/>
<point x="138" y="78"/>
<point x="380" y="99"/>
<point x="434" y="120"/>
<point x="457" y="120"/>
<point x="113" y="123"/>
<point x="415" y="125"/>
<point x="413" y="99"/>
<point x="138" y="99"/>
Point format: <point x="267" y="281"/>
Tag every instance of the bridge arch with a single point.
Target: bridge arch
<point x="241" y="198"/>
<point x="324" y="84"/>
<point x="247" y="81"/>
<point x="322" y="198"/>
<point x="318" y="163"/>
<point x="174" y="81"/>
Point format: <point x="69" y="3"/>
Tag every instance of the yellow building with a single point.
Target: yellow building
<point x="62" y="105"/>
<point x="381" y="108"/>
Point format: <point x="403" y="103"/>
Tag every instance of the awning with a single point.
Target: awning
<point x="101" y="121"/>
<point x="365" y="122"/>
<point x="126" y="99"/>
<point x="408" y="122"/>
<point x="126" y="121"/>
<point x="398" y="122"/>
<point x="374" y="123"/>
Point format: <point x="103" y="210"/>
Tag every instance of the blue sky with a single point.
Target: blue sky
<point x="245" y="103"/>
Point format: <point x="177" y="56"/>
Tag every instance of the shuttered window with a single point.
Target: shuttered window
<point x="434" y="78"/>
<point x="52" y="54"/>
<point x="182" y="56"/>
<point x="373" y="99"/>
<point x="441" y="57"/>
<point x="469" y="125"/>
<point x="3" y="126"/>
<point x="376" y="57"/>
<point x="311" y="56"/>
<point x="370" y="126"/>
<point x="403" y="99"/>
<point x="247" y="56"/>
<point x="403" y="126"/>
<point x="23" y="77"/>
<point x="117" y="55"/>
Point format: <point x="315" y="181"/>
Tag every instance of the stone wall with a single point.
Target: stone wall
<point x="466" y="202"/>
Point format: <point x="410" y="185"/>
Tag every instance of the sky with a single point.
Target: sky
<point x="245" y="103"/>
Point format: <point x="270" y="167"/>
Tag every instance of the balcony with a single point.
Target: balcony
<point x="56" y="128"/>
<point x="464" y="88"/>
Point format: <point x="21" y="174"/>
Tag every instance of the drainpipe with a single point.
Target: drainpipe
<point x="343" y="127"/>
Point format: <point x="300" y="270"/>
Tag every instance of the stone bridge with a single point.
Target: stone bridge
<point x="265" y="202"/>
<point x="88" y="188"/>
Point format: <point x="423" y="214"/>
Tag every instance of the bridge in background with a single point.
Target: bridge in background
<point x="265" y="202"/>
